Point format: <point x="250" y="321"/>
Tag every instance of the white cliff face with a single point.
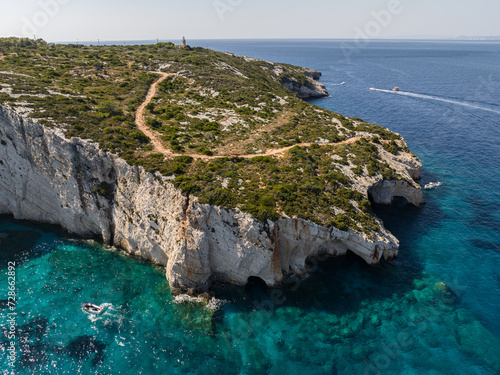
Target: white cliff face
<point x="314" y="74"/>
<point x="314" y="89"/>
<point x="382" y="191"/>
<point x="45" y="177"/>
<point x="299" y="239"/>
<point x="409" y="167"/>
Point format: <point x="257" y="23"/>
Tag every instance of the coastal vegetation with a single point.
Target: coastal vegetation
<point x="213" y="111"/>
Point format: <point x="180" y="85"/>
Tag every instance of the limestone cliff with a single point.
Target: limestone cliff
<point x="45" y="177"/>
<point x="314" y="74"/>
<point x="305" y="86"/>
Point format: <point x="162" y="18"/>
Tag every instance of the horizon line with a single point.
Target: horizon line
<point x="460" y="38"/>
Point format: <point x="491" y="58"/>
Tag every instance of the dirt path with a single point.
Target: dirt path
<point x="158" y="145"/>
<point x="141" y="122"/>
<point x="273" y="152"/>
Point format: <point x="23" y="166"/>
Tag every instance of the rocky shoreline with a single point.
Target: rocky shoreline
<point x="313" y="88"/>
<point x="47" y="178"/>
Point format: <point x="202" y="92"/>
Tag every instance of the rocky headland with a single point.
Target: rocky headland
<point x="45" y="177"/>
<point x="206" y="163"/>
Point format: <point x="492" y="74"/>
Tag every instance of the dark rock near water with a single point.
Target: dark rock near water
<point x="32" y="355"/>
<point x="84" y="346"/>
<point x="314" y="74"/>
<point x="34" y="329"/>
<point x="484" y="244"/>
<point x="19" y="243"/>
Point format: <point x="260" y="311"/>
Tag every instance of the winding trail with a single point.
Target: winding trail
<point x="141" y="122"/>
<point x="160" y="148"/>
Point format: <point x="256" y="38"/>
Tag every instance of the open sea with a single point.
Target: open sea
<point x="436" y="310"/>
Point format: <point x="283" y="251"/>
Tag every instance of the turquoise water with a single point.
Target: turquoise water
<point x="433" y="311"/>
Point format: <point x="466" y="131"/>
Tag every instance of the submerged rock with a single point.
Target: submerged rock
<point x="196" y="313"/>
<point x="477" y="341"/>
<point x="84" y="346"/>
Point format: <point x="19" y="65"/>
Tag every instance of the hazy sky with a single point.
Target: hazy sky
<point x="88" y="20"/>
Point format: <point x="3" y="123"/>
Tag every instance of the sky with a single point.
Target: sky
<point x="117" y="20"/>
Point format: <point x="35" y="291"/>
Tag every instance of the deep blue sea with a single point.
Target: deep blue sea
<point x="436" y="310"/>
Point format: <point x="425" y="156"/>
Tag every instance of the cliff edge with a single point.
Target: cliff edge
<point x="45" y="177"/>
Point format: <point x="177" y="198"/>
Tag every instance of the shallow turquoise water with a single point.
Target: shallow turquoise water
<point x="345" y="318"/>
<point x="433" y="311"/>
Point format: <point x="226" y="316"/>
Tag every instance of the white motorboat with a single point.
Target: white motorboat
<point x="432" y="185"/>
<point x="373" y="88"/>
<point x="90" y="308"/>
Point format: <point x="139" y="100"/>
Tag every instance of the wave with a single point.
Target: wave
<point x="213" y="304"/>
<point x="441" y="99"/>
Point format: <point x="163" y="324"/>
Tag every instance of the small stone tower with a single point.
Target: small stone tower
<point x="184" y="42"/>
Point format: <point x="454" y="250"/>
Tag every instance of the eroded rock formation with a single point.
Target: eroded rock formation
<point x="47" y="178"/>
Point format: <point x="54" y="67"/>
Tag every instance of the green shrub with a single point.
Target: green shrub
<point x="184" y="159"/>
<point x="245" y="111"/>
<point x="154" y="123"/>
<point x="221" y="197"/>
<point x="105" y="190"/>
<point x="365" y="205"/>
<point x="391" y="147"/>
<point x="142" y="138"/>
<point x="262" y="159"/>
<point x="108" y="108"/>
<point x="358" y="171"/>
<point x="341" y="222"/>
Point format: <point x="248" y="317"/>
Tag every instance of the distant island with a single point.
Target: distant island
<point x="477" y="37"/>
<point x="210" y="164"/>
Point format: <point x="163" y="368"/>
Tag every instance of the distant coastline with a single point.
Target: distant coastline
<point x="199" y="42"/>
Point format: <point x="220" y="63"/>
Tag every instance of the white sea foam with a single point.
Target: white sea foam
<point x="212" y="304"/>
<point x="445" y="100"/>
<point x="120" y="342"/>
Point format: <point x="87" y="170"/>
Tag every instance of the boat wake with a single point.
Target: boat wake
<point x="109" y="312"/>
<point x="440" y="99"/>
